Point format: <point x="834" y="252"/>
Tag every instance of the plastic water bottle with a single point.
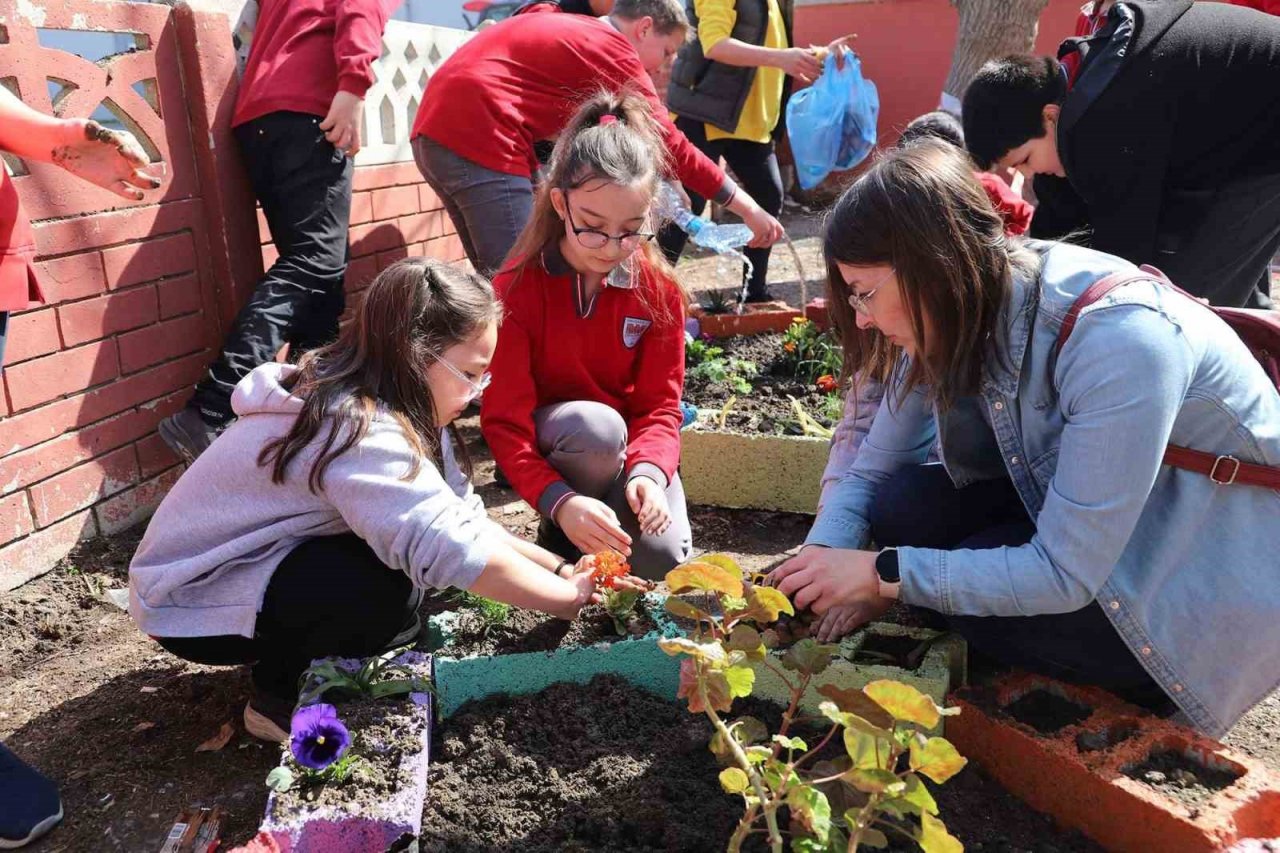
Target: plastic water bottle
<point x="703" y="232"/>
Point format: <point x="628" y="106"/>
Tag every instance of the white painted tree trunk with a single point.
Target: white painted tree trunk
<point x="988" y="29"/>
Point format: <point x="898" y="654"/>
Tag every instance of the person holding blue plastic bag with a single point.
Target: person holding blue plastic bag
<point x="727" y="89"/>
<point x="832" y="124"/>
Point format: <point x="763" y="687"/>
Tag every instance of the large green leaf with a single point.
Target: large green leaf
<point x="746" y="639"/>
<point x="866" y="751"/>
<point x="916" y="798"/>
<point x="937" y="759"/>
<point x="716" y="688"/>
<point x="704" y="576"/>
<point x="934" y="838"/>
<point x="734" y="781"/>
<point x="809" y="655"/>
<point x="809" y="806"/>
<point x="791" y="742"/>
<point x="684" y="610"/>
<point x="740" y="680"/>
<point x="876" y="782"/>
<point x="874" y="838"/>
<point x="904" y="702"/>
<point x="854" y="701"/>
<point x="763" y="604"/>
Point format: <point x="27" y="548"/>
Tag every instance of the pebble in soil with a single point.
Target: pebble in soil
<point x="607" y="766"/>
<point x="532" y="631"/>
<point x="1183" y="778"/>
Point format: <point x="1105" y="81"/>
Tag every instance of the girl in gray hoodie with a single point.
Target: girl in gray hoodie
<point x="311" y="526"/>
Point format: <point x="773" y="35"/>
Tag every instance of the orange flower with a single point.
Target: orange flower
<point x="789" y="346"/>
<point x="610" y="565"/>
<point x="827" y="383"/>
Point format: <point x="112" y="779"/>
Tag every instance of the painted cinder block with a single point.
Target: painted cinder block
<point x="637" y="659"/>
<point x="943" y="667"/>
<point x="390" y="822"/>
<point x="777" y="472"/>
<point x="1077" y="773"/>
<point x="755" y="319"/>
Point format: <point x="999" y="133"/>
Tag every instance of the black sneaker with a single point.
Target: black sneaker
<point x="29" y="803"/>
<point x="187" y="433"/>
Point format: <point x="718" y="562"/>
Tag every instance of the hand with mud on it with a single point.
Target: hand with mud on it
<point x="111" y="159"/>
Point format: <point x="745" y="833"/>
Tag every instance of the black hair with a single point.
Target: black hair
<point x="938" y="124"/>
<point x="1004" y="104"/>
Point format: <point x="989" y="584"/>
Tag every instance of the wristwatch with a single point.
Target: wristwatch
<point x="887" y="565"/>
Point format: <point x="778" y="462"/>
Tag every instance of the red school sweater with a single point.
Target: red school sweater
<point x="520" y="81"/>
<point x="305" y="51"/>
<point x="619" y="352"/>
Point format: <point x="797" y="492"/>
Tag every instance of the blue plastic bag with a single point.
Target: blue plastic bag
<point x="832" y="124"/>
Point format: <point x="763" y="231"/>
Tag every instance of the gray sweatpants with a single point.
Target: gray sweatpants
<point x="587" y="443"/>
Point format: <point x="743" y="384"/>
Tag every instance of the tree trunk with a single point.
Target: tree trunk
<point x="989" y="29"/>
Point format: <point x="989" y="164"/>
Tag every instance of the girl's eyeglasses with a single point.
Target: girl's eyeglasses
<point x="861" y="302"/>
<point x="477" y="386"/>
<point x="590" y="238"/>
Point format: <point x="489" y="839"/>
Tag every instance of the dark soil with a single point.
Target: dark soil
<point x="1047" y="712"/>
<point x="382" y="733"/>
<point x="766" y="410"/>
<point x="903" y="652"/>
<point x="1107" y="738"/>
<point x="607" y="766"/>
<point x="1182" y="778"/>
<point x="531" y="631"/>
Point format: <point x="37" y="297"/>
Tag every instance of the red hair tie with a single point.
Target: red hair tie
<point x="608" y="119"/>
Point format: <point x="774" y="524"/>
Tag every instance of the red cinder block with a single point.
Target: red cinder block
<point x="84" y="485"/>
<point x="1077" y="769"/>
<point x="40" y="380"/>
<point x="116" y="312"/>
<point x="162" y="341"/>
<point x="816" y="312"/>
<point x="134" y="263"/>
<point x="756" y="319"/>
<point x="32" y="335"/>
<point x="73" y="276"/>
<point x="361" y="208"/>
<point x="15" y="517"/>
<point x="179" y="295"/>
<point x="394" y="202"/>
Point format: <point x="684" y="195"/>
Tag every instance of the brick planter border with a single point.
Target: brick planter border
<point x="1087" y="788"/>
<point x="324" y="828"/>
<point x="755" y="319"/>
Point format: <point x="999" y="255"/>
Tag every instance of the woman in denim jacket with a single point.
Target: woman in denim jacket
<point x="1051" y="535"/>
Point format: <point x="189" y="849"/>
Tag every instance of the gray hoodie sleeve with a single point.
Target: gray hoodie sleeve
<point x="420" y="526"/>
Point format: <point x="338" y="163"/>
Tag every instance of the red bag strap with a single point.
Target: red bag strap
<point x="1223" y="470"/>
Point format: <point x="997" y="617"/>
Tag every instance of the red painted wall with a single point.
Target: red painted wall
<point x="905" y="46"/>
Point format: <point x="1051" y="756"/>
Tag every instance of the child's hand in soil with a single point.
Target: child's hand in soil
<point x="592" y="526"/>
<point x="648" y="501"/>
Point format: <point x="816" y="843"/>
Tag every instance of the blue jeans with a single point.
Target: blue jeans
<point x="921" y="507"/>
<point x="489" y="209"/>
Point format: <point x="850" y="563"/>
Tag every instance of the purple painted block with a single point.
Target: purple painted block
<point x="328" y="829"/>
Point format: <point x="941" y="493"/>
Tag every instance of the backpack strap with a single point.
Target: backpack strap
<point x="1222" y="470"/>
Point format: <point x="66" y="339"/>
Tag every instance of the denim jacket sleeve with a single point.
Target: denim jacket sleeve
<point x="900" y="435"/>
<point x="1121" y="379"/>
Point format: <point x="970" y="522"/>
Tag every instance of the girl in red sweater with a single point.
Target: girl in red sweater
<point x="583" y="415"/>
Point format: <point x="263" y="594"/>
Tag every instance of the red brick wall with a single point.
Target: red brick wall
<point x="394" y="215"/>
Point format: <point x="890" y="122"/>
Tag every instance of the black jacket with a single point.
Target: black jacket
<point x="1174" y="102"/>
<point x="710" y="91"/>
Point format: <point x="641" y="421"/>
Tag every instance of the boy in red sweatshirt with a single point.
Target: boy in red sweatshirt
<point x="518" y="83"/>
<point x="297" y="120"/>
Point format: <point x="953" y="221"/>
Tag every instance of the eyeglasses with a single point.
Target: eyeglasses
<point x="861" y="302"/>
<point x="477" y="385"/>
<point x="591" y="238"/>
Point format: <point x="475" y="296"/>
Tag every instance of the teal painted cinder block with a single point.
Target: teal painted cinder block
<point x="637" y="659"/>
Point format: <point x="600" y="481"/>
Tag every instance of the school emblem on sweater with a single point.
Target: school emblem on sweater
<point x="633" y="328"/>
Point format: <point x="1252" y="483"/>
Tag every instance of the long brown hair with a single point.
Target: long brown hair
<point x="627" y="152"/>
<point x="921" y="211"/>
<point x="414" y="310"/>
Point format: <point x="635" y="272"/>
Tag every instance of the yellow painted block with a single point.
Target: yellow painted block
<point x="778" y="472"/>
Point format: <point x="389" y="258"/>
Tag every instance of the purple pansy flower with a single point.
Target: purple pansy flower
<point x="318" y="737"/>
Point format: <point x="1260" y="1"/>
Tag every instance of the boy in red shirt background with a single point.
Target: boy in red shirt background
<point x="583" y="413"/>
<point x="297" y="120"/>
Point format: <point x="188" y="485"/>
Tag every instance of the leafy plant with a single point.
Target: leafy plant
<point x="809" y="353"/>
<point x="714" y="369"/>
<point x="375" y="679"/>
<point x="319" y="743"/>
<point x="840" y="804"/>
<point x="491" y="613"/>
<point x="698" y="350"/>
<point x="619" y="603"/>
<point x="717" y="301"/>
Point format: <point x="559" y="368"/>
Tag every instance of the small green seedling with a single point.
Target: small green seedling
<point x="376" y="680"/>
